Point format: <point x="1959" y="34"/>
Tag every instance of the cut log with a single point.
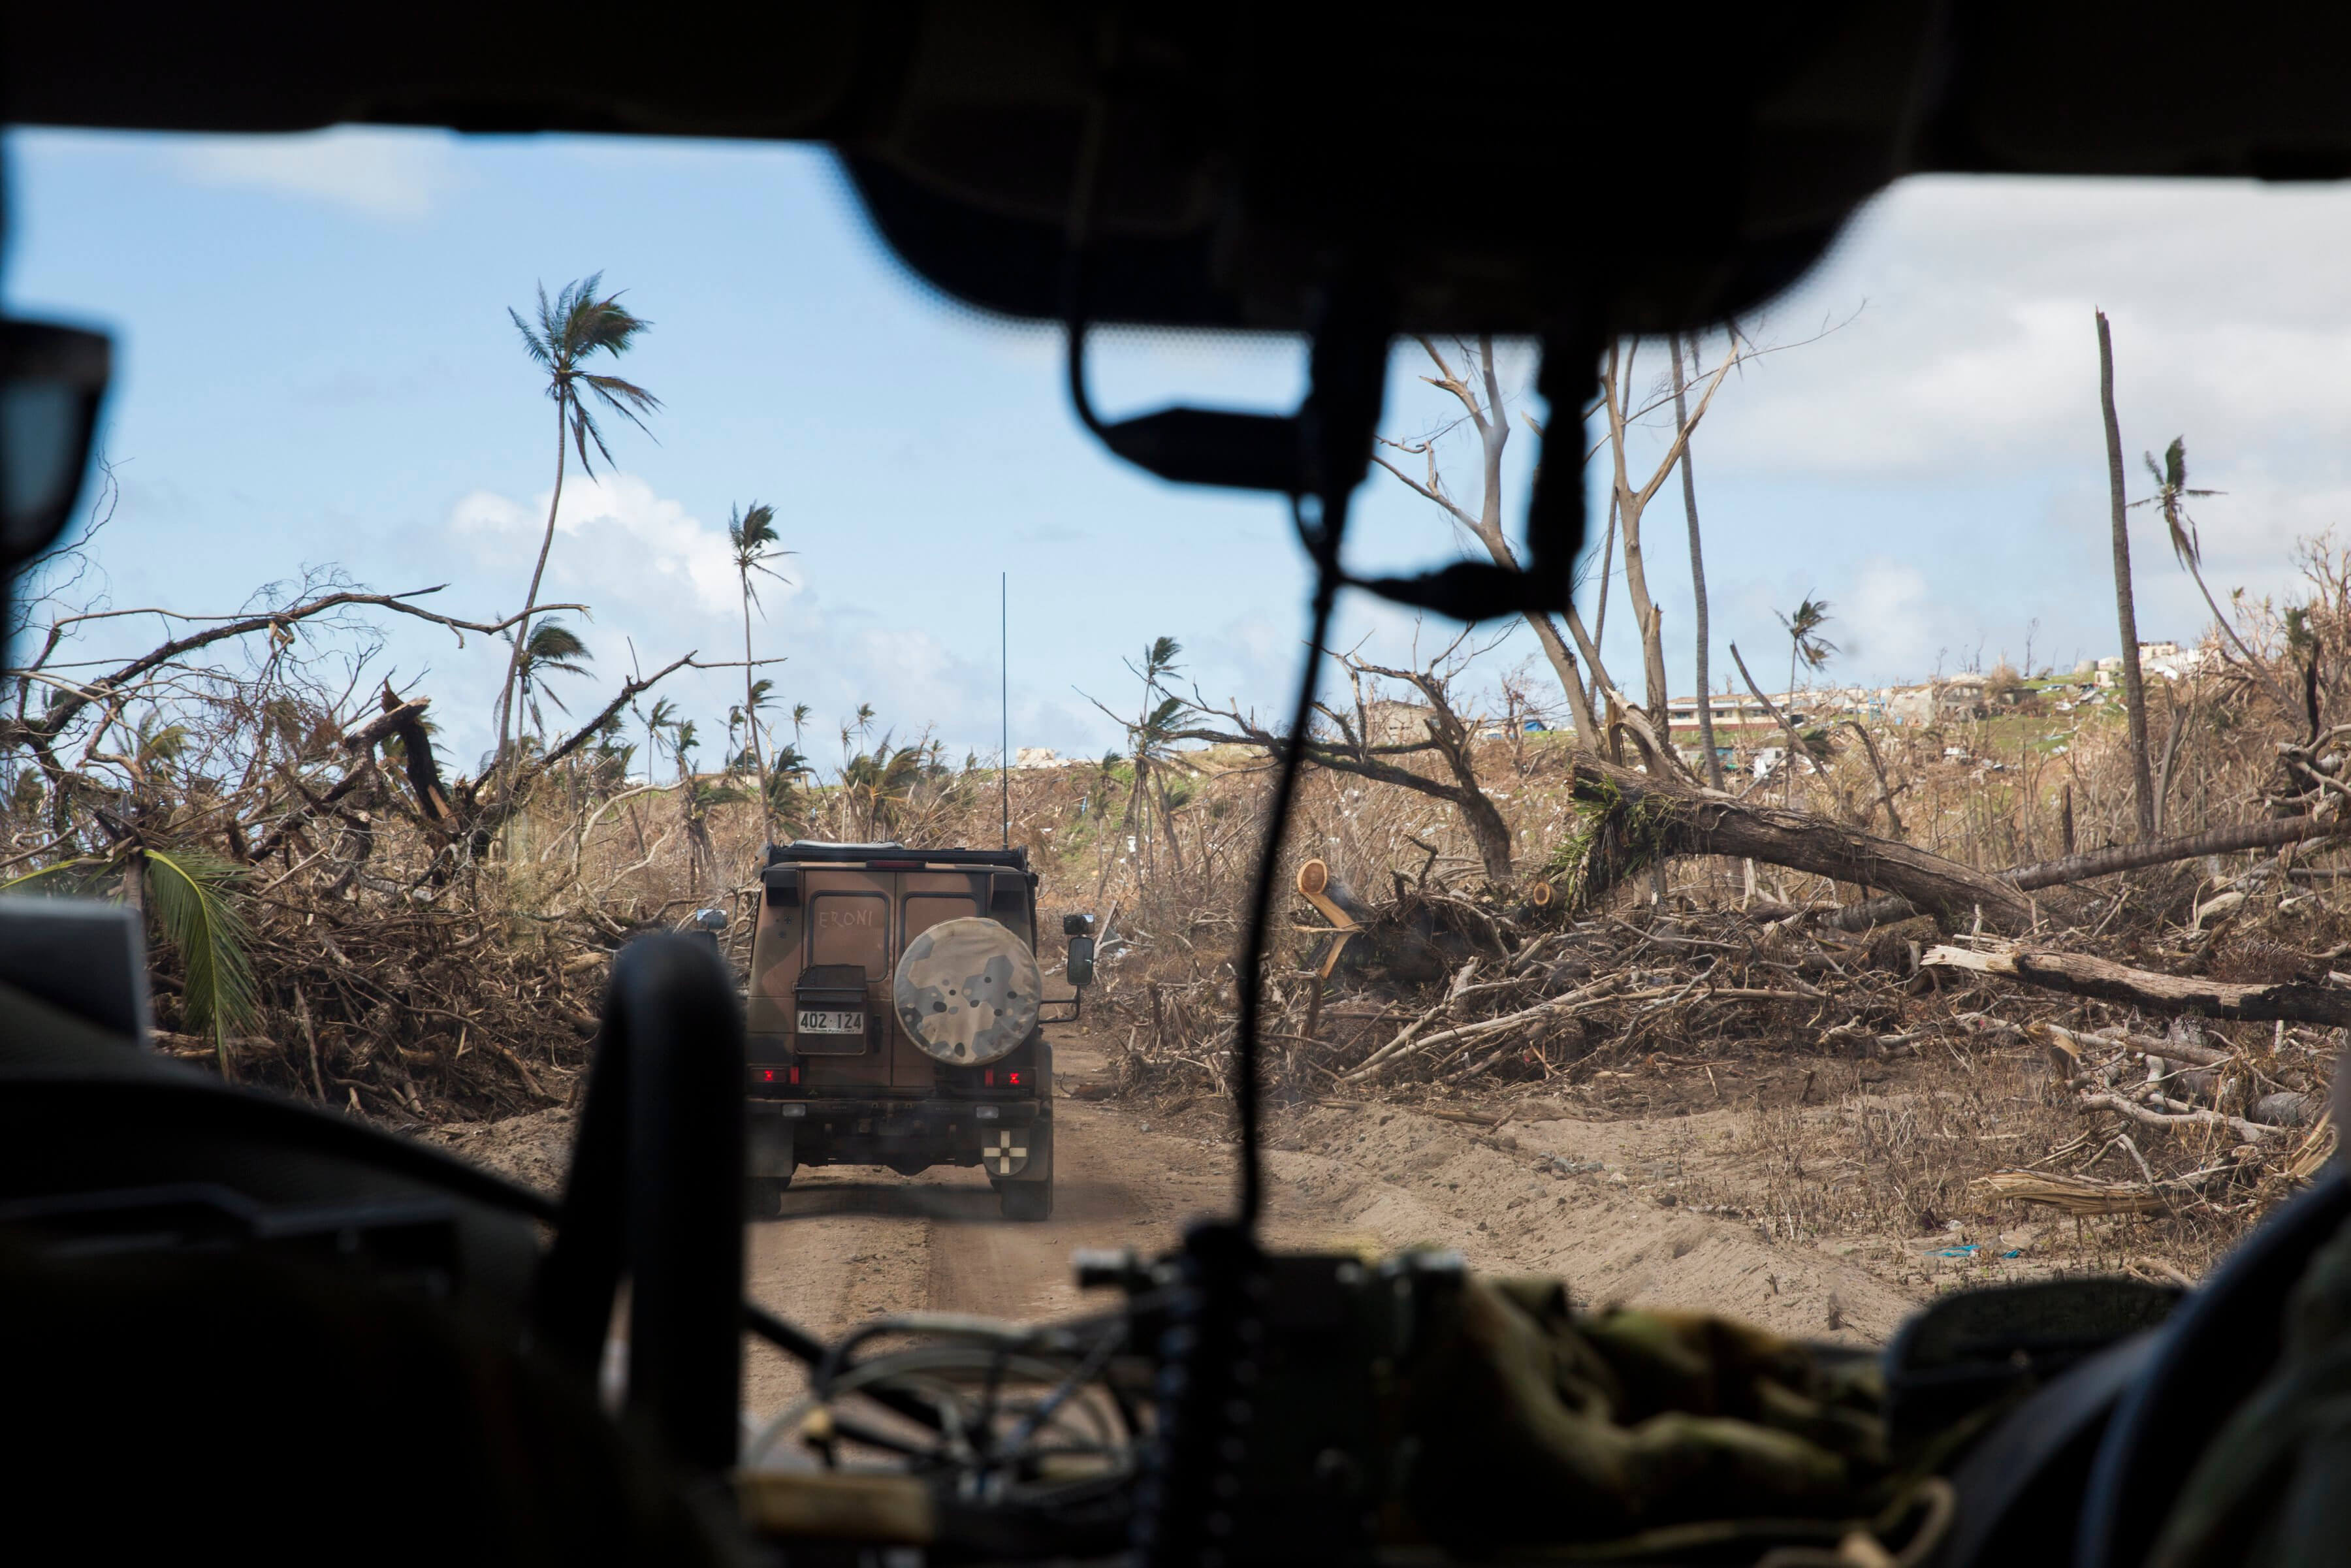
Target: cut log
<point x="2084" y="976"/>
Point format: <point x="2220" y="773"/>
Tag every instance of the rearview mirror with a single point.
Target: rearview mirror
<point x="1082" y="961"/>
<point x="51" y="381"/>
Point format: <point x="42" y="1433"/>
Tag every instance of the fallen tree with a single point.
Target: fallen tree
<point x="1630" y="821"/>
<point x="2291" y="1001"/>
<point x="2274" y="832"/>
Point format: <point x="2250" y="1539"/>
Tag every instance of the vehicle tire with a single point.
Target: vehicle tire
<point x="1027" y="1200"/>
<point x="763" y="1197"/>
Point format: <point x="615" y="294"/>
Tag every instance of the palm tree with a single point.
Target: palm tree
<point x="662" y="716"/>
<point x="552" y="649"/>
<point x="751" y="535"/>
<point x="578" y="324"/>
<point x="1805" y="643"/>
<point x="878" y="784"/>
<point x="2171" y="500"/>
<point x="1151" y="734"/>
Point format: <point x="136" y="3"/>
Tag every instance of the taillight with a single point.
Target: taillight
<point x="1013" y="1079"/>
<point x="796" y="1075"/>
<point x="988" y="1079"/>
<point x="768" y="1076"/>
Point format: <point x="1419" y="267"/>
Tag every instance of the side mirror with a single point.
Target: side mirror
<point x="1082" y="961"/>
<point x="710" y="920"/>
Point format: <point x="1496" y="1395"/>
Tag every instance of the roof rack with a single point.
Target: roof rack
<point x="820" y="850"/>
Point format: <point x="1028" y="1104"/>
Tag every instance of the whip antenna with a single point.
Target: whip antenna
<point x="1004" y="698"/>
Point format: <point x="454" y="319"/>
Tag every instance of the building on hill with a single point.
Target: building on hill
<point x="1396" y="723"/>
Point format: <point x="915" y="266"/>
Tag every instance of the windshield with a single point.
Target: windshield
<point x="504" y="547"/>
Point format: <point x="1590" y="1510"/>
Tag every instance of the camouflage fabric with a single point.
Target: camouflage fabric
<point x="1531" y="1423"/>
<point x="2270" y="1488"/>
<point x="967" y="992"/>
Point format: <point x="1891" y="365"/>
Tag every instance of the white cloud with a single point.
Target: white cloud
<point x="378" y="173"/>
<point x="661" y="580"/>
<point x="1973" y="346"/>
<point x="618" y="545"/>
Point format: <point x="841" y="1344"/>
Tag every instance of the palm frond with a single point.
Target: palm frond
<point x="532" y="344"/>
<point x="551" y="641"/>
<point x="583" y="430"/>
<point x="190" y="897"/>
<point x="751" y="529"/>
<point x="64" y="871"/>
<point x="626" y="398"/>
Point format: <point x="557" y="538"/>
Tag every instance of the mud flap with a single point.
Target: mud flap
<point x="767" y="1147"/>
<point x="1027" y="1193"/>
<point x="1016" y="1156"/>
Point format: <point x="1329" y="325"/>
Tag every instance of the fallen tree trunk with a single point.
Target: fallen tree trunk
<point x="1631" y="821"/>
<point x="2274" y="832"/>
<point x="2084" y="976"/>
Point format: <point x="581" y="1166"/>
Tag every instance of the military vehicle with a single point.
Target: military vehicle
<point x="893" y="1018"/>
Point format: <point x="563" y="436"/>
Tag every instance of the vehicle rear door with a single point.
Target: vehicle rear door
<point x="850" y="925"/>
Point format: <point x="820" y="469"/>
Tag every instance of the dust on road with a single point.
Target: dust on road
<point x="1563" y="1197"/>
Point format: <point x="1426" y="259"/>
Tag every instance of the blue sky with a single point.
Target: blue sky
<point x="315" y="368"/>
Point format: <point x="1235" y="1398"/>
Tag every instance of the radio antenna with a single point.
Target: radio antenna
<point x="1004" y="698"/>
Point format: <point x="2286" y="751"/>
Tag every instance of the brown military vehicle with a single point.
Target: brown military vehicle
<point x="894" y="1007"/>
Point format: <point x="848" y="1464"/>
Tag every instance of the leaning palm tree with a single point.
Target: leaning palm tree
<point x="578" y="324"/>
<point x="1805" y="643"/>
<point x="751" y="535"/>
<point x="2170" y="501"/>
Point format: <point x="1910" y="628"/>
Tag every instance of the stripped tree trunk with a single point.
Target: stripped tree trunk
<point x="1697" y="591"/>
<point x="2126" y="609"/>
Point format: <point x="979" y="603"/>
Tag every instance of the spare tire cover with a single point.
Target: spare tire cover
<point x="967" y="992"/>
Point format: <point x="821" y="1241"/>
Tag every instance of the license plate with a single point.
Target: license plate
<point x="815" y="1022"/>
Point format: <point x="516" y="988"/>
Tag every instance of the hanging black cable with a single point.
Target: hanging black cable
<point x="1323" y="541"/>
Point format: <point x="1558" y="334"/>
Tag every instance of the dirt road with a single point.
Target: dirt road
<point x="1616" y="1207"/>
<point x="854" y="1243"/>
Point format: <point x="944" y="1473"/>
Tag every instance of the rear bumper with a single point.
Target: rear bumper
<point x="901" y="1134"/>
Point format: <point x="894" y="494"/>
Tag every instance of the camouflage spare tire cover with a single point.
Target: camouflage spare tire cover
<point x="967" y="992"/>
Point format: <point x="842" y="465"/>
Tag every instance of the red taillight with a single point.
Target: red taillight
<point x="768" y="1076"/>
<point x="796" y="1075"/>
<point x="1013" y="1079"/>
<point x="988" y="1079"/>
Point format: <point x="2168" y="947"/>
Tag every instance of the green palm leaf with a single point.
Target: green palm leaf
<point x="190" y="897"/>
<point x="62" y="870"/>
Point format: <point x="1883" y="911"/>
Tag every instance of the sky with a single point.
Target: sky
<point x="315" y="368"/>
